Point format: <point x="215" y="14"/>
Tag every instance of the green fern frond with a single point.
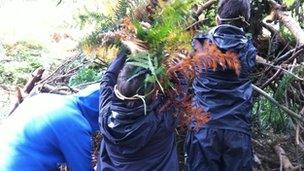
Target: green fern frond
<point x="102" y="22"/>
<point x="273" y="117"/>
<point x="121" y="10"/>
<point x="150" y="62"/>
<point x="153" y="68"/>
<point x="170" y="22"/>
<point x="167" y="33"/>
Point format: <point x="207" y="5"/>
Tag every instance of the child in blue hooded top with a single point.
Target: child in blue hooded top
<point x="136" y="136"/>
<point x="224" y="142"/>
<point x="47" y="130"/>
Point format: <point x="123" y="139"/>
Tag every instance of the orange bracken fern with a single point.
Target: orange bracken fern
<point x="206" y="56"/>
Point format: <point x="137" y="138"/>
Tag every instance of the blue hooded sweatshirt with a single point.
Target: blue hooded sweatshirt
<point x="131" y="139"/>
<point x="47" y="130"/>
<point x="226" y="96"/>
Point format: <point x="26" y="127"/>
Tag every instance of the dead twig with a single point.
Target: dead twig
<point x="195" y="24"/>
<point x="63" y="65"/>
<point x="284" y="160"/>
<point x="204" y="6"/>
<point x="273" y="31"/>
<point x="271" y="79"/>
<point x="21" y="94"/>
<point x="267" y="159"/>
<point x="286" y="71"/>
<point x="56" y="90"/>
<point x="257" y="164"/>
<point x="36" y="78"/>
<point x="287" y="54"/>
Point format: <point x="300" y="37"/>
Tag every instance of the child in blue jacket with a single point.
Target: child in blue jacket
<point x="47" y="130"/>
<point x="136" y="136"/>
<point x="223" y="143"/>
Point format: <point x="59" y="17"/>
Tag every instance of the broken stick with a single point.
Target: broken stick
<point x="284" y="160"/>
<point x="21" y="94"/>
<point x="288" y="21"/>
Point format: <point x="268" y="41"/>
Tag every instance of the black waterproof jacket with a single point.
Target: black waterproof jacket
<point x="226" y="96"/>
<point x="131" y="139"/>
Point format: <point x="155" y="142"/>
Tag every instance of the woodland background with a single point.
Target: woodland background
<point x="61" y="40"/>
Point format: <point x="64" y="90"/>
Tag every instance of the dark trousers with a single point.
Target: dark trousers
<point x="218" y="150"/>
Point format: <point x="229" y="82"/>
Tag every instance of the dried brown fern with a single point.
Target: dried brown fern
<point x="207" y="56"/>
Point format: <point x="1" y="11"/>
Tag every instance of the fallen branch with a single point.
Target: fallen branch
<point x="261" y="60"/>
<point x="271" y="79"/>
<point x="284" y="108"/>
<point x="297" y="137"/>
<point x="63" y="65"/>
<point x="284" y="59"/>
<point x="257" y="164"/>
<point x="206" y="5"/>
<point x="46" y="88"/>
<point x="286" y="71"/>
<point x="284" y="160"/>
<point x="294" y="56"/>
<point x="274" y="32"/>
<point x="59" y="2"/>
<point x="36" y="77"/>
<point x="268" y="159"/>
<point x="288" y="21"/>
<point x="195" y="24"/>
<point x="21" y="94"/>
<point x="287" y="54"/>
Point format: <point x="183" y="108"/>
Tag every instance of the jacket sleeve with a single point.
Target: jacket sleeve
<point x="110" y="78"/>
<point x="252" y="53"/>
<point x="249" y="56"/>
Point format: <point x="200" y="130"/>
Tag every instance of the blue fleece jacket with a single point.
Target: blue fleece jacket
<point x="47" y="130"/>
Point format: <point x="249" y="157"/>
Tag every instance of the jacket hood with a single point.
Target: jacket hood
<point x="228" y="37"/>
<point x="128" y="125"/>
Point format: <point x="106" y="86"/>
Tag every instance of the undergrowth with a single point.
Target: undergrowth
<point x="87" y="74"/>
<point x="22" y="59"/>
